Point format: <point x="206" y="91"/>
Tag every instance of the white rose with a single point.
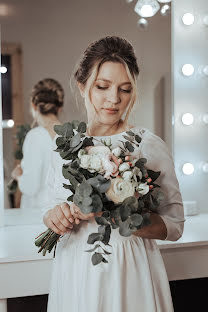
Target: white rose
<point x="127" y="175"/>
<point x="85" y="161"/>
<point x="119" y="190"/>
<point x="116" y="151"/>
<point x="95" y="163"/>
<point x="98" y="150"/>
<point x="143" y="188"/>
<point x="81" y="153"/>
<point x="124" y="166"/>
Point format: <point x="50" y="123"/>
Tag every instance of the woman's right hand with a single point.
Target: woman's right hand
<point x="60" y="219"/>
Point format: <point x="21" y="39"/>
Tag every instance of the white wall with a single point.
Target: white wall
<point x="54" y="34"/>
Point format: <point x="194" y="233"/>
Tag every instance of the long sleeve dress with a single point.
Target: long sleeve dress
<point x="134" y="279"/>
<point x="37" y="149"/>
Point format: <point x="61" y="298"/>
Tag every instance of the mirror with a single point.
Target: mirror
<point x="46" y="39"/>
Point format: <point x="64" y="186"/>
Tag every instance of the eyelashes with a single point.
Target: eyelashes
<point x="122" y="90"/>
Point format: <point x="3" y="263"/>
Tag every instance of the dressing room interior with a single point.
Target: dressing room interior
<point x="45" y="39"/>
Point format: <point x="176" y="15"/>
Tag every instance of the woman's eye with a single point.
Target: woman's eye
<point x="126" y="91"/>
<point x="101" y="88"/>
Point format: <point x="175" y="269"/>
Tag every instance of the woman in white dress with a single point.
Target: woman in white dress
<point x="134" y="279"/>
<point x="46" y="101"/>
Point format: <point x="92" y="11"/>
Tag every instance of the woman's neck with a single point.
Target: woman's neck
<point x="99" y="129"/>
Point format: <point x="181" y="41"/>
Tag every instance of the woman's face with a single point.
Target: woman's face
<point x="110" y="94"/>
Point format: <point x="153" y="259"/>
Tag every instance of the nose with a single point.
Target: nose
<point x="114" y="96"/>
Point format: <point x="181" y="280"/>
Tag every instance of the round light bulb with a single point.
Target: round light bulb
<point x="129" y="1"/>
<point x="205" y="70"/>
<point x="187" y="119"/>
<point x="205" y="118"/>
<point x="142" y="23"/>
<point x="188" y="168"/>
<point x="188" y="19"/>
<point x="205" y="20"/>
<point x="205" y="167"/>
<point x="10" y="123"/>
<point x="188" y="69"/>
<point x="165" y="10"/>
<point x="3" y="69"/>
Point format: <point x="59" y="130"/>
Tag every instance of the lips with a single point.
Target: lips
<point x="111" y="109"/>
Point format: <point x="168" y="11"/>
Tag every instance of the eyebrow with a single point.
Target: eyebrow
<point x="106" y="80"/>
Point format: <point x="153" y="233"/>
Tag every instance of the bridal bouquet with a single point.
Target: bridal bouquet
<point x="105" y="180"/>
<point x="22" y="130"/>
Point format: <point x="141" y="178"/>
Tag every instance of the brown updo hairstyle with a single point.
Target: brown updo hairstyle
<point x="48" y="96"/>
<point x="108" y="49"/>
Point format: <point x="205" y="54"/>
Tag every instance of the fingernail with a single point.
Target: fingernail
<point x="71" y="220"/>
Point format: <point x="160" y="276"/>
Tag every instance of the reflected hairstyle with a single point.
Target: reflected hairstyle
<point x="48" y="96"/>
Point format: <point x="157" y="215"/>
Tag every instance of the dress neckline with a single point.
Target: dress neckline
<point x="112" y="135"/>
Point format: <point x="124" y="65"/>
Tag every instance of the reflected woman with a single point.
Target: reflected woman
<point x="47" y="99"/>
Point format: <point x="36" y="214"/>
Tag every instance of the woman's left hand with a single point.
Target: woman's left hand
<point x="17" y="172"/>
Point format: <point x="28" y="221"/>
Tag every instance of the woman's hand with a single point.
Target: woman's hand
<point x="17" y="172"/>
<point x="60" y="219"/>
<point x="76" y="212"/>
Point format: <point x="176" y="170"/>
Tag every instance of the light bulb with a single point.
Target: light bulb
<point x="188" y="19"/>
<point x="187" y="119"/>
<point x="10" y="123"/>
<point x="188" y="69"/>
<point x="204" y="167"/>
<point x="142" y="23"/>
<point x="205" y="118"/>
<point x="146" y="8"/>
<point x="188" y="168"/>
<point x="3" y="69"/>
<point x="205" y="70"/>
<point x="129" y="1"/>
<point x="165" y="10"/>
<point x="205" y="20"/>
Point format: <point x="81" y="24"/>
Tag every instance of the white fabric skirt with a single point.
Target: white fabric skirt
<point x="133" y="280"/>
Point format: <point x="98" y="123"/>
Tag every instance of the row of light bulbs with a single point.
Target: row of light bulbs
<point x="188" y="118"/>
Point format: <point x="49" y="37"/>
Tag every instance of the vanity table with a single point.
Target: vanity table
<point x="24" y="272"/>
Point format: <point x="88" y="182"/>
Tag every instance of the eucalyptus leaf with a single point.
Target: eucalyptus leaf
<point x="100" y="183"/>
<point x="136" y="219"/>
<point x="101" y="220"/>
<point x="125" y="211"/>
<point x="130" y="133"/>
<point x="94" y="237"/>
<point x="93" y="249"/>
<point x="97" y="203"/>
<point x="129" y="146"/>
<point x="82" y="127"/>
<point x="138" y="138"/>
<point x="75" y="140"/>
<point x="124" y="228"/>
<point x="146" y="219"/>
<point x="75" y="124"/>
<point x="129" y="138"/>
<point x="97" y="258"/>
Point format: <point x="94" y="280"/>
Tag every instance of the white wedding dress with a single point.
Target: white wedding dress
<point x="37" y="149"/>
<point x="134" y="279"/>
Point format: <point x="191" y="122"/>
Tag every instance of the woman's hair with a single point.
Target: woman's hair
<point x="108" y="49"/>
<point x="48" y="96"/>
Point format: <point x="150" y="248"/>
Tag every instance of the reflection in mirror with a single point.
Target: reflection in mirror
<point x="33" y="50"/>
